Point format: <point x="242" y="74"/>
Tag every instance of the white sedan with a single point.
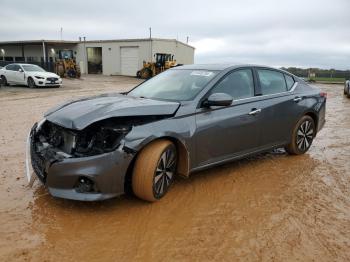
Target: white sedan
<point x="29" y="75"/>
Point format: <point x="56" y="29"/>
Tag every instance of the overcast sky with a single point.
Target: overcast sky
<point x="308" y="33"/>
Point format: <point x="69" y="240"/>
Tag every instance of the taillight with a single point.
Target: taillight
<point x="323" y="94"/>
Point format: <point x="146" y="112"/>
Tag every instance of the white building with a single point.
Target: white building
<point x="108" y="57"/>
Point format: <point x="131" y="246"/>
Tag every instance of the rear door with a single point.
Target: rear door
<point x="9" y="73"/>
<point x="225" y="132"/>
<point x="279" y="106"/>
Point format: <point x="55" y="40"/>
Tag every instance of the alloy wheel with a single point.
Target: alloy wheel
<point x="305" y="135"/>
<point x="165" y="172"/>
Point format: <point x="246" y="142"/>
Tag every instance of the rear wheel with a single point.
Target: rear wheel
<point x="302" y="136"/>
<point x="31" y="83"/>
<point x="4" y="81"/>
<point x="154" y="170"/>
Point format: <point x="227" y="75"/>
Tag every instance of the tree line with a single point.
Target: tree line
<point x="331" y="73"/>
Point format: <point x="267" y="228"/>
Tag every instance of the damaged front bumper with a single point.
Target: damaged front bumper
<point x="64" y="176"/>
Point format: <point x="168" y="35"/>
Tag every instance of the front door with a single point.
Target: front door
<point x="225" y="132"/>
<point x="18" y="76"/>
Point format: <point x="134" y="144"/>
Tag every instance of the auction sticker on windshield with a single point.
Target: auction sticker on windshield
<point x="201" y="73"/>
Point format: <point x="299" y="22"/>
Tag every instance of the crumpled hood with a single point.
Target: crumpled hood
<point x="81" y="113"/>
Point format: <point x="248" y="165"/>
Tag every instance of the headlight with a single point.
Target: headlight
<point x="39" y="77"/>
<point x="40" y="123"/>
<point x="100" y="140"/>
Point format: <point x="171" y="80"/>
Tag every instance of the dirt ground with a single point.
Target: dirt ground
<point x="269" y="207"/>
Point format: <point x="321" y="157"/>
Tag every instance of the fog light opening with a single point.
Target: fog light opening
<point x="85" y="185"/>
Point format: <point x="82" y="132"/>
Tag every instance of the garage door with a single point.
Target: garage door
<point x="129" y="61"/>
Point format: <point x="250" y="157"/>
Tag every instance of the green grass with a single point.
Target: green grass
<point x="329" y="79"/>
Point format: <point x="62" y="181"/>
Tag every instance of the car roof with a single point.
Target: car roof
<point x="222" y="67"/>
<point x="21" y="64"/>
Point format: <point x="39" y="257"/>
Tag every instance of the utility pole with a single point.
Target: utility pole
<point x="61" y="33"/>
<point x="85" y="56"/>
<point x="187" y="40"/>
<point x="150" y="44"/>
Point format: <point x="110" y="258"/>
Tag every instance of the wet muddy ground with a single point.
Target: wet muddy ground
<point x="269" y="207"/>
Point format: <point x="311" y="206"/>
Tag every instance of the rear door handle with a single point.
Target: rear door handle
<point x="297" y="99"/>
<point x="254" y="112"/>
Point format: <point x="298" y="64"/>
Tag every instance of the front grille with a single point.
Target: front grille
<point x="50" y="79"/>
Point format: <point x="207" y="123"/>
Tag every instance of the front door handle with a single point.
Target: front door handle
<point x="297" y="99"/>
<point x="254" y="112"/>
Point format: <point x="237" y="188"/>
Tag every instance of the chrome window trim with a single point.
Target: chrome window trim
<point x="286" y="92"/>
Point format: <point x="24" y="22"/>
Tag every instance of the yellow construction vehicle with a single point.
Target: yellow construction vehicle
<point x="162" y="63"/>
<point x="67" y="68"/>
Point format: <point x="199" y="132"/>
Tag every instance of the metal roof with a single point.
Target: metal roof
<point x="35" y="42"/>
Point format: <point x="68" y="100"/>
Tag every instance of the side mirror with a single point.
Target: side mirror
<point x="218" y="99"/>
<point x="20" y="70"/>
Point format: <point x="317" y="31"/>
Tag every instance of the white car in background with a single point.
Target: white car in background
<point x="29" y="75"/>
<point x="347" y="88"/>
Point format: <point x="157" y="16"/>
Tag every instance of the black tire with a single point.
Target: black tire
<point x="154" y="170"/>
<point x="4" y="81"/>
<point x="302" y="136"/>
<point x="146" y="73"/>
<point x="31" y="83"/>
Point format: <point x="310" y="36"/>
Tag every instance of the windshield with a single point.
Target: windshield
<point x="32" y="68"/>
<point x="176" y="85"/>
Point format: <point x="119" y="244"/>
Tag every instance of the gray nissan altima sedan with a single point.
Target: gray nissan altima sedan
<point x="185" y="119"/>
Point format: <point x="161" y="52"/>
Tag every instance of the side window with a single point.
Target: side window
<point x="239" y="84"/>
<point x="289" y="81"/>
<point x="271" y="82"/>
<point x="16" y="67"/>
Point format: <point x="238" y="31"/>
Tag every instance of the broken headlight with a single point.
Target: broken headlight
<point x="99" y="140"/>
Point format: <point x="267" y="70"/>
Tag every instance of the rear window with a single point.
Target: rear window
<point x="9" y="67"/>
<point x="271" y="82"/>
<point x="289" y="81"/>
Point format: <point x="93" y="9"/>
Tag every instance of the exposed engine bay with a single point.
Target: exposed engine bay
<point x="101" y="137"/>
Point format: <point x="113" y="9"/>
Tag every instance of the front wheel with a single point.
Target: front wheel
<point x="154" y="170"/>
<point x="31" y="83"/>
<point x="302" y="136"/>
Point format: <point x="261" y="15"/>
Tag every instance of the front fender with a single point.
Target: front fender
<point x="180" y="130"/>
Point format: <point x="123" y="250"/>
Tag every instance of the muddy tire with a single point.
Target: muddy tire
<point x="31" y="83"/>
<point x="302" y="136"/>
<point x="154" y="170"/>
